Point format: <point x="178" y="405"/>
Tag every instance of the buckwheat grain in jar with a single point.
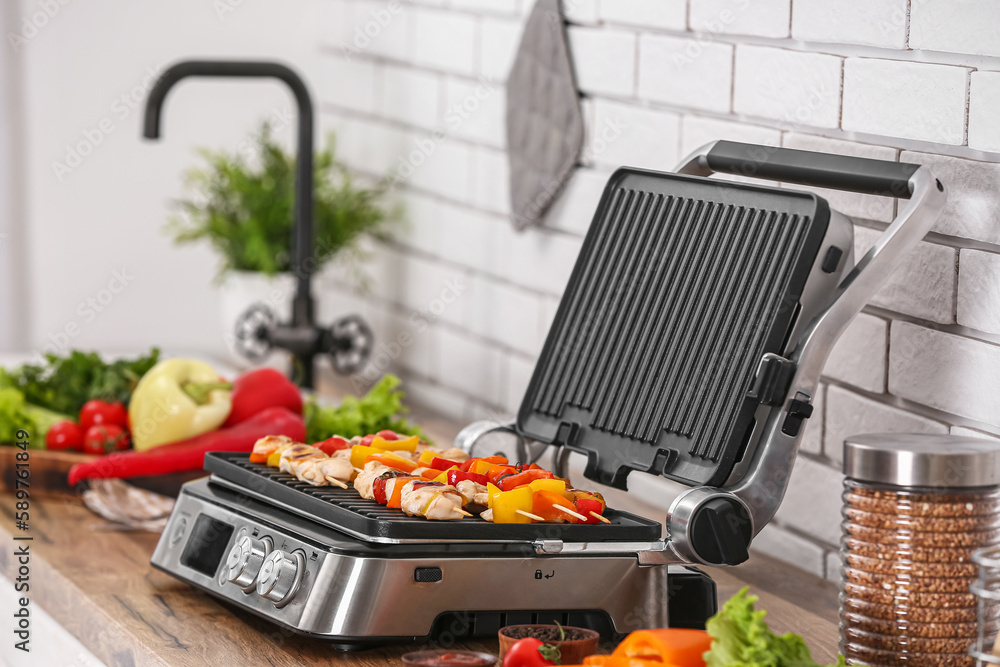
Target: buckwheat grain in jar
<point x="915" y="508"/>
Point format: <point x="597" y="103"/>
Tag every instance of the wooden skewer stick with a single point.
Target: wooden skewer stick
<point x="462" y="511"/>
<point x="575" y="515"/>
<point x="335" y="482"/>
<point x="533" y="517"/>
<point x="598" y="516"/>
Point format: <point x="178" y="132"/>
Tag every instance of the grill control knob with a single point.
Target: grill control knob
<point x="279" y="576"/>
<point x="245" y="559"/>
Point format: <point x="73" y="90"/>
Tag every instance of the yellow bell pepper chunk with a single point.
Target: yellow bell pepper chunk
<point x="359" y="453"/>
<point x="554" y="485"/>
<point x="443" y="477"/>
<point x="274" y="458"/>
<point x="492" y="491"/>
<point x="427" y="456"/>
<point x="406" y="445"/>
<point x="506" y="503"/>
<point x="480" y="467"/>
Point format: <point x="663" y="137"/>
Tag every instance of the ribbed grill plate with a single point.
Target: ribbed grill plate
<point x="682" y="285"/>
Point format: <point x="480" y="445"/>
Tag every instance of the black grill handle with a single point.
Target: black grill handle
<point x="839" y="172"/>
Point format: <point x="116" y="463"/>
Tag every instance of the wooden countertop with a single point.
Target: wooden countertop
<point x="98" y="584"/>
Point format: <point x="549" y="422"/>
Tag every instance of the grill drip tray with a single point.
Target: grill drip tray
<point x="345" y="510"/>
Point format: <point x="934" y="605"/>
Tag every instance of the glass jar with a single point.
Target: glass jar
<point x="916" y="507"/>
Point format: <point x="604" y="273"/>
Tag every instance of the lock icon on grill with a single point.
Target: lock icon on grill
<point x="538" y="574"/>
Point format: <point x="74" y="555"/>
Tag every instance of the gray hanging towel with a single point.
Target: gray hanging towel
<point x="544" y="120"/>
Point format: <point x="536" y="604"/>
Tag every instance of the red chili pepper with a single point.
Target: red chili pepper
<point x="456" y="476"/>
<point x="190" y="454"/>
<point x="511" y="482"/>
<point x="259" y="390"/>
<point x="439" y="463"/>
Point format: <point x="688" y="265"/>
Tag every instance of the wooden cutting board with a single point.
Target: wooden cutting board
<point x="48" y="469"/>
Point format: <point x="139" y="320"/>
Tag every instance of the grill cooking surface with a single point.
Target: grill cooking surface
<point x="345" y="510"/>
<point x="681" y="287"/>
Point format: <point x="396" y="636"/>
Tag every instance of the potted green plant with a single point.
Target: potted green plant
<point x="243" y="207"/>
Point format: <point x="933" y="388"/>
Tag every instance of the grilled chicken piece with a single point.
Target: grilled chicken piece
<point x="270" y="443"/>
<point x="452" y="454"/>
<point x="298" y="452"/>
<point x="366" y="478"/>
<point x="434" y="502"/>
<point x="473" y="493"/>
<point x="318" y="472"/>
<point x="487" y="516"/>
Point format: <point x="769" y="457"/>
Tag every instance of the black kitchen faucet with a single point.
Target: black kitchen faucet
<point x="349" y="340"/>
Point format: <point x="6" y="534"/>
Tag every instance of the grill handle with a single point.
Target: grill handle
<point x="839" y="172"/>
<point x="762" y="487"/>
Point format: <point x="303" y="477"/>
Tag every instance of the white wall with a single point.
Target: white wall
<point x="13" y="324"/>
<point x="107" y="214"/>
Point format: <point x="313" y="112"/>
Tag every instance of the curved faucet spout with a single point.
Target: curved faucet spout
<point x="302" y="229"/>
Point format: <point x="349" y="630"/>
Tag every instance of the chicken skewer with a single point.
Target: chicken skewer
<point x="320" y="472"/>
<point x="432" y="500"/>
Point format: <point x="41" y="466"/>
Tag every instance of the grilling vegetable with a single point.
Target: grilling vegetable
<point x="96" y="411"/>
<point x="741" y="637"/>
<point x="14" y="416"/>
<point x="64" y="435"/>
<point x="668" y="646"/>
<point x="63" y="384"/>
<point x="378" y="410"/>
<point x="190" y="454"/>
<point x="260" y="389"/>
<point x="177" y="400"/>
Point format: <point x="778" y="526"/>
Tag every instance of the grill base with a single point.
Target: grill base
<point x="358" y="594"/>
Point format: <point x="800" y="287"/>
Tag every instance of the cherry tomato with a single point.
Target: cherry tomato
<point x="96" y="412"/>
<point x="367" y="440"/>
<point x="104" y="438"/>
<point x="388" y="435"/>
<point x="331" y="445"/>
<point x="64" y="435"/>
<point x="530" y="652"/>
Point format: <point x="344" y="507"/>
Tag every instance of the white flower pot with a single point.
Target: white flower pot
<point x="242" y="289"/>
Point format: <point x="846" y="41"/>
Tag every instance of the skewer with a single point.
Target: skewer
<point x="462" y="511"/>
<point x="533" y="517"/>
<point x="598" y="516"/>
<point x="575" y="515"/>
<point x="335" y="482"/>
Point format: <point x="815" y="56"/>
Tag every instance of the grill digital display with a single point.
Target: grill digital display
<point x="207" y="545"/>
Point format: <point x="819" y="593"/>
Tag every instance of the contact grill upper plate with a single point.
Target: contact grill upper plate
<point x="682" y="285"/>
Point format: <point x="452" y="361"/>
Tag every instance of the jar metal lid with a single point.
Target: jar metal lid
<point x="927" y="460"/>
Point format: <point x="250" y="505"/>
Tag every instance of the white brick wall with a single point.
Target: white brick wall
<point x="903" y="99"/>
<point x="659" y="79"/>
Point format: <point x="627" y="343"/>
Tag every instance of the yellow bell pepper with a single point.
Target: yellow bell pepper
<point x="359" y="453"/>
<point x="554" y="485"/>
<point x="405" y="445"/>
<point x="480" y="467"/>
<point x="443" y="477"/>
<point x="426" y="457"/>
<point x="506" y="503"/>
<point x="176" y="400"/>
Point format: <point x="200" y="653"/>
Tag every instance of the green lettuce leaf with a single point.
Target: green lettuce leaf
<point x="14" y="417"/>
<point x="742" y="638"/>
<point x="381" y="408"/>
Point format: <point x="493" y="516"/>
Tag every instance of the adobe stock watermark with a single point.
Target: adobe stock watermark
<point x="32" y="24"/>
<point x="223" y="8"/>
<point x="87" y="311"/>
<point x="386" y="353"/>
<point x="370" y="30"/>
<point x="425" y="147"/>
<point x="92" y="137"/>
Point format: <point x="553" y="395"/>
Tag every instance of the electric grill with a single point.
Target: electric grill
<point x="688" y="344"/>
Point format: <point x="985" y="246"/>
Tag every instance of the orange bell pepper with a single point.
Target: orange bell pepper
<point x="669" y="646"/>
<point x="394" y="490"/>
<point x="393" y="461"/>
<point x="618" y="661"/>
<point x="546" y="503"/>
